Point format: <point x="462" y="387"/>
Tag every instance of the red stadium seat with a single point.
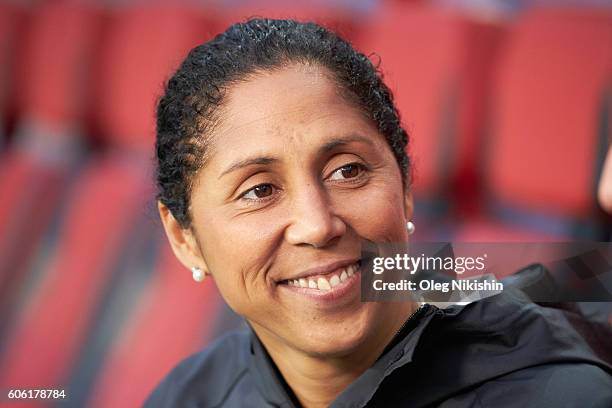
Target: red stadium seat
<point x="174" y="318"/>
<point x="437" y="63"/>
<point x="343" y="20"/>
<point x="56" y="60"/>
<point x="149" y="43"/>
<point x="11" y="22"/>
<point x="139" y="50"/>
<point x="550" y="127"/>
<point x="55" y="321"/>
<point x="52" y="77"/>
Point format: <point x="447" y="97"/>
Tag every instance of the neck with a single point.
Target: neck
<point x="317" y="380"/>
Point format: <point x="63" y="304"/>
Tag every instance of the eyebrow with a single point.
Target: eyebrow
<point x="263" y="160"/>
<point x="249" y="162"/>
<point x="341" y="141"/>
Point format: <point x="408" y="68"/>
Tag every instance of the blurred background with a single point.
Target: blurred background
<point x="508" y="104"/>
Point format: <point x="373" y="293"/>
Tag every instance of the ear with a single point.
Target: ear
<point x="184" y="244"/>
<point x="408" y="204"/>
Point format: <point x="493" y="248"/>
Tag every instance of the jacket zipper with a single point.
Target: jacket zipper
<point x="417" y="310"/>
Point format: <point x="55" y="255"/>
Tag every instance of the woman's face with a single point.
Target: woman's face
<point x="296" y="180"/>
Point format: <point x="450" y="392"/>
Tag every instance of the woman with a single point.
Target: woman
<point x="280" y="153"/>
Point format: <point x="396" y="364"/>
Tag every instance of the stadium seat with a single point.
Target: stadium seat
<point x="12" y="19"/>
<point x="344" y="20"/>
<point x="127" y="92"/>
<point x="549" y="130"/>
<point x="139" y="48"/>
<point x="56" y="318"/>
<point x="51" y="82"/>
<point x="174" y="318"/>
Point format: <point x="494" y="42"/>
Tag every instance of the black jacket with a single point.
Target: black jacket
<point x="503" y="351"/>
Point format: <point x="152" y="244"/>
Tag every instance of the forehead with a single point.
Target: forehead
<point x="298" y="105"/>
<point x="295" y="90"/>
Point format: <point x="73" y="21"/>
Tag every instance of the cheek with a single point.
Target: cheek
<point x="238" y="242"/>
<point x="378" y="213"/>
<point x="237" y="253"/>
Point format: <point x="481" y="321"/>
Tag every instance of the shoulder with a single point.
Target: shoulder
<point x="551" y="385"/>
<point x="207" y="377"/>
<point x="513" y="352"/>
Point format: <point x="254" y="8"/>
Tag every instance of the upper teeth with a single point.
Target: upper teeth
<point x="322" y="283"/>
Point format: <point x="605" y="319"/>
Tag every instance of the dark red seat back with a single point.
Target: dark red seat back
<point x="551" y="124"/>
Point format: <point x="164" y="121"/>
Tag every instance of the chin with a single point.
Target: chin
<point x="331" y="347"/>
<point x="335" y="340"/>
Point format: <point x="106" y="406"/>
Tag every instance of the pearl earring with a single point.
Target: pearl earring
<point x="198" y="274"/>
<point x="410" y="227"/>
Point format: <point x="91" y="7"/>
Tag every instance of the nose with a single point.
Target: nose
<point x="314" y="222"/>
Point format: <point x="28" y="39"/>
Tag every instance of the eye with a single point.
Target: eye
<point x="258" y="192"/>
<point x="348" y="171"/>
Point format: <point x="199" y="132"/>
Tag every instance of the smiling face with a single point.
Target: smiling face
<point x="295" y="180"/>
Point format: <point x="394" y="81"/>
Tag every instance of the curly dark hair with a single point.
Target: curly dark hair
<point x="189" y="107"/>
